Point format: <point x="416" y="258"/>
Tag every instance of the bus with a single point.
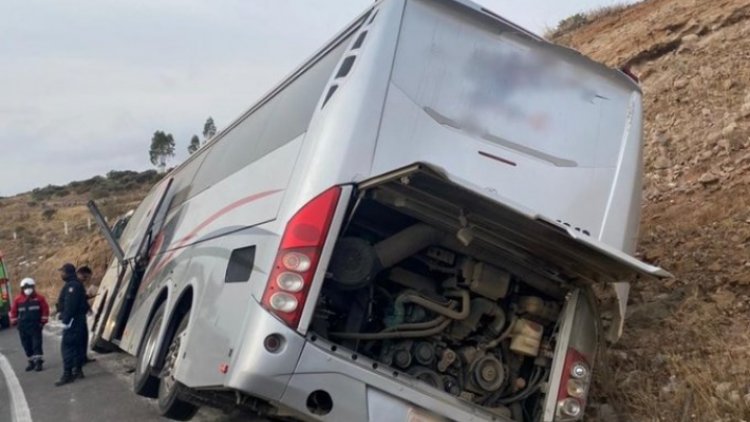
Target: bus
<point x="409" y="227"/>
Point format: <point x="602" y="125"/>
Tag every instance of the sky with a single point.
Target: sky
<point x="85" y="83"/>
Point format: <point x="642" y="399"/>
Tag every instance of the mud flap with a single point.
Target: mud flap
<point x="622" y="291"/>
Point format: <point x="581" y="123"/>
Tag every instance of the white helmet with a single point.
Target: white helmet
<point x="28" y="282"/>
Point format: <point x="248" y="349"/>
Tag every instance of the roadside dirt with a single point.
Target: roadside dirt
<point x="684" y="354"/>
<point x="34" y="242"/>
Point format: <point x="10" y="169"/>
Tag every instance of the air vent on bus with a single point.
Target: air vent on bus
<point x="346" y="66"/>
<point x="348" y="62"/>
<point x="329" y="94"/>
<point x="360" y="40"/>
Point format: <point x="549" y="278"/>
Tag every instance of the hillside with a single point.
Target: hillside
<point x="32" y="225"/>
<point x="685" y="350"/>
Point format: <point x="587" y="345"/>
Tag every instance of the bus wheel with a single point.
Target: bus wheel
<point x="144" y="383"/>
<point x="171" y="405"/>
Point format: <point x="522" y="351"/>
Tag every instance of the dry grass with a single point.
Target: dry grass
<point x="38" y="220"/>
<point x="571" y="23"/>
<point x="696" y="372"/>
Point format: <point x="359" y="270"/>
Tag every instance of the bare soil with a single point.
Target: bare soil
<point x="684" y="354"/>
<point x="40" y="245"/>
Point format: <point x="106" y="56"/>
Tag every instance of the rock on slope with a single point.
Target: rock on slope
<point x="685" y="352"/>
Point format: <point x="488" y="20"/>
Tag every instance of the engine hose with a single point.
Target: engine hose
<point x="480" y="307"/>
<point x="417" y="299"/>
<point x="406" y="243"/>
<point x="535" y="382"/>
<point x="418" y="325"/>
<point x="505" y="334"/>
<point x="395" y="334"/>
<point x="415" y="325"/>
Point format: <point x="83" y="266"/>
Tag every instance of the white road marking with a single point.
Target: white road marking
<point x="19" y="408"/>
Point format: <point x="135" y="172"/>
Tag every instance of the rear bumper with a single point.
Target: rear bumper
<point x="256" y="371"/>
<point x="361" y="393"/>
<point x="359" y="389"/>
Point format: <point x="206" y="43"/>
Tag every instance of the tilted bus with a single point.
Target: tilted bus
<point x="407" y="228"/>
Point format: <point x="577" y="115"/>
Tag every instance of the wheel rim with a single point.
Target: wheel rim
<point x="148" y="352"/>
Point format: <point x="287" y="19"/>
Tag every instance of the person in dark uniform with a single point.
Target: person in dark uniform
<point x="30" y="312"/>
<point x="84" y="275"/>
<point x="73" y="307"/>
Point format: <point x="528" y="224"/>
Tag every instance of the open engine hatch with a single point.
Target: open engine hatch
<point x="538" y="244"/>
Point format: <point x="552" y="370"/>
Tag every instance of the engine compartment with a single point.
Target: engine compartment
<point x="426" y="300"/>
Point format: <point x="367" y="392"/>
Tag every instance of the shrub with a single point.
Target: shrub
<point x="571" y="23"/>
<point x="62" y="192"/>
<point x="99" y="192"/>
<point x="40" y="194"/>
<point x="49" y="213"/>
<point x="148" y="177"/>
<point x="119" y="175"/>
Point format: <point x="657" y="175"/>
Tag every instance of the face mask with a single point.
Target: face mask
<point x="28" y="292"/>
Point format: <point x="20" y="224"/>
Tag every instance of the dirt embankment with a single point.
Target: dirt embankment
<point x="685" y="354"/>
<point x="42" y="229"/>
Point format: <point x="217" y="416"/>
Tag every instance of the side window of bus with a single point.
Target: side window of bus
<point x="182" y="187"/>
<point x="131" y="237"/>
<point x="278" y="121"/>
<point x="138" y="219"/>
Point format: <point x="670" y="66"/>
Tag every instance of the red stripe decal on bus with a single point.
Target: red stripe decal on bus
<point x="158" y="266"/>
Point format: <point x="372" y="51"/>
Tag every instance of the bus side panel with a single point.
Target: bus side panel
<point x="144" y="304"/>
<point x="221" y="300"/>
<point x="220" y="304"/>
<point x="340" y="141"/>
<point x="248" y="197"/>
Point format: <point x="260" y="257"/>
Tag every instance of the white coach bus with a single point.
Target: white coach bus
<point x="407" y="228"/>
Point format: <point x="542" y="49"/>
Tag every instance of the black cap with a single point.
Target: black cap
<point x="68" y="269"/>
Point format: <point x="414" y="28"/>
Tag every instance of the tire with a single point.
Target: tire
<point x="4" y="321"/>
<point x="170" y="401"/>
<point x="144" y="382"/>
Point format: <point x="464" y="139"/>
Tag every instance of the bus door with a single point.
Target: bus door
<point x="132" y="265"/>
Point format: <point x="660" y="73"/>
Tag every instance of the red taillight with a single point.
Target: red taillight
<point x="298" y="256"/>
<point x="574" y="387"/>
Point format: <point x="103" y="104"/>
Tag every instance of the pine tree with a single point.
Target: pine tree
<point x="195" y="143"/>
<point x="162" y="148"/>
<point x="209" y="129"/>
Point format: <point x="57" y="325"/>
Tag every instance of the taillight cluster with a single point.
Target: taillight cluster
<point x="298" y="256"/>
<point x="574" y="387"/>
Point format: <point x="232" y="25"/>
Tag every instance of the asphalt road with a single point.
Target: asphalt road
<point x="104" y="395"/>
<point x="5" y="414"/>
